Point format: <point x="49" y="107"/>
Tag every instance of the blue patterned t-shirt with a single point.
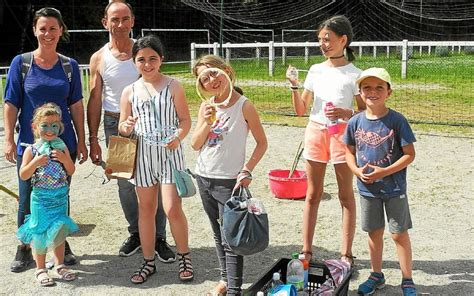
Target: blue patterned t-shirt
<point x="379" y="142"/>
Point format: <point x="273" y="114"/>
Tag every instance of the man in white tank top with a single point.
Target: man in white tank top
<point x="111" y="69"/>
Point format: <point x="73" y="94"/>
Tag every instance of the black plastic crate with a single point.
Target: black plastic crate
<point x="317" y="275"/>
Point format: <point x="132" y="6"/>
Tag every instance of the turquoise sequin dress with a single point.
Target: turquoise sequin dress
<point x="48" y="225"/>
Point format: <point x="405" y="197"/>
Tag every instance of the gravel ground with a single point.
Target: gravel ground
<point x="441" y="199"/>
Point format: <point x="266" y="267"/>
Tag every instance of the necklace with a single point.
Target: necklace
<point x="338" y="57"/>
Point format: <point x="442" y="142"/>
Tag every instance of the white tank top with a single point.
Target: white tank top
<point x="223" y="154"/>
<point x="116" y="75"/>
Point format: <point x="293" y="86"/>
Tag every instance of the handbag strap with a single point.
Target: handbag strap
<point x="153" y="102"/>
<point x="244" y="193"/>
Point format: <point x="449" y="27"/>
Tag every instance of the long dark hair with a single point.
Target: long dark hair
<point x="52" y="12"/>
<point x="341" y="26"/>
<point x="148" y="41"/>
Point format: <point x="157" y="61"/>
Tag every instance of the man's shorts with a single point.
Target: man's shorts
<point x="319" y="146"/>
<point x="396" y="209"/>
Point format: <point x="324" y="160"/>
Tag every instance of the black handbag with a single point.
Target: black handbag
<point x="245" y="224"/>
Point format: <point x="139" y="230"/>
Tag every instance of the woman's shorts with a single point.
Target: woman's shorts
<point x="319" y="146"/>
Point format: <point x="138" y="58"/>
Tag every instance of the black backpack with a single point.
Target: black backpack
<point x="27" y="60"/>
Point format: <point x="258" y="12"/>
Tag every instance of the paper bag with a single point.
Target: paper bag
<point x="121" y="158"/>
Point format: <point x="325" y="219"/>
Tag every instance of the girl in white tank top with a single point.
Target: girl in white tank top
<point x="222" y="165"/>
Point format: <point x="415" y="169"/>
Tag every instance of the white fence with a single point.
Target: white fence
<point x="375" y="45"/>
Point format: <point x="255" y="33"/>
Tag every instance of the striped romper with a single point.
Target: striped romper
<point x="152" y="164"/>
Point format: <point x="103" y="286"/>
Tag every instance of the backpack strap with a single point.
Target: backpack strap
<point x="26" y="61"/>
<point x="67" y="67"/>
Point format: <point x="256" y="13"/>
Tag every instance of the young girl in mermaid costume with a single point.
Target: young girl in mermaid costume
<point x="48" y="163"/>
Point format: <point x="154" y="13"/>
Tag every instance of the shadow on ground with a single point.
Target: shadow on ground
<point x="115" y="271"/>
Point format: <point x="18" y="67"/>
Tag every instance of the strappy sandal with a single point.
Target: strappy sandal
<point x="307" y="254"/>
<point x="43" y="278"/>
<point x="348" y="258"/>
<point x="143" y="273"/>
<point x="65" y="273"/>
<point x="185" y="267"/>
<point x="219" y="290"/>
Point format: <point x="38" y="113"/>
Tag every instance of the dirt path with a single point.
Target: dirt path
<point x="441" y="197"/>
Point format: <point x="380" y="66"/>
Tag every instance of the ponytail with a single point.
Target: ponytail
<point x="349" y="53"/>
<point x="239" y="90"/>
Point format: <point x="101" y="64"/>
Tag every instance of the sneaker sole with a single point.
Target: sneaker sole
<point x="123" y="254"/>
<point x="23" y="268"/>
<point x="372" y="292"/>
<point x="170" y="260"/>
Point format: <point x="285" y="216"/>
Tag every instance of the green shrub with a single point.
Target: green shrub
<point x="469" y="49"/>
<point x="442" y="51"/>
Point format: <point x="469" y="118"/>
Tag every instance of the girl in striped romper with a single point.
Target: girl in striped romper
<point x="152" y="102"/>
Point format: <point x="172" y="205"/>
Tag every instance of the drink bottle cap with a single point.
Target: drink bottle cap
<point x="276" y="276"/>
<point x="295" y="255"/>
<point x="301" y="257"/>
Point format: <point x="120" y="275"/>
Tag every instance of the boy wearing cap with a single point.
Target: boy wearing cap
<point x="379" y="149"/>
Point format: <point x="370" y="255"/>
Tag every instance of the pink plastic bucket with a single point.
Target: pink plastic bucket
<point x="291" y="188"/>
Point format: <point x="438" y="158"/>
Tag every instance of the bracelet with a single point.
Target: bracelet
<point x="247" y="172"/>
<point x="91" y="139"/>
<point x="293" y="87"/>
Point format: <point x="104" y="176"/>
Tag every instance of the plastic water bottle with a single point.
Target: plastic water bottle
<point x="295" y="273"/>
<point x="276" y="282"/>
<point x="260" y="293"/>
<point x="305" y="268"/>
<point x="332" y="126"/>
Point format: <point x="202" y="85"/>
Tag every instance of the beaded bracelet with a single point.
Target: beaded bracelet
<point x="93" y="137"/>
<point x="293" y="87"/>
<point x="247" y="172"/>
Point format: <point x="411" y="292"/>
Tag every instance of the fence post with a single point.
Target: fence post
<point x="375" y="52"/>
<point x="283" y="55"/>
<point x="193" y="55"/>
<point x="360" y="52"/>
<point x="388" y="52"/>
<point x="227" y="54"/>
<point x="404" y="58"/>
<point x="257" y="54"/>
<point x="271" y="58"/>
<point x="429" y="49"/>
<point x="215" y="49"/>
<point x="306" y="53"/>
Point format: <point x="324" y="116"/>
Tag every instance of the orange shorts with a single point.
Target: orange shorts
<point x="321" y="147"/>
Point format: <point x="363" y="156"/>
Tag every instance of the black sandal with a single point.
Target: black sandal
<point x="185" y="266"/>
<point x="143" y="273"/>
